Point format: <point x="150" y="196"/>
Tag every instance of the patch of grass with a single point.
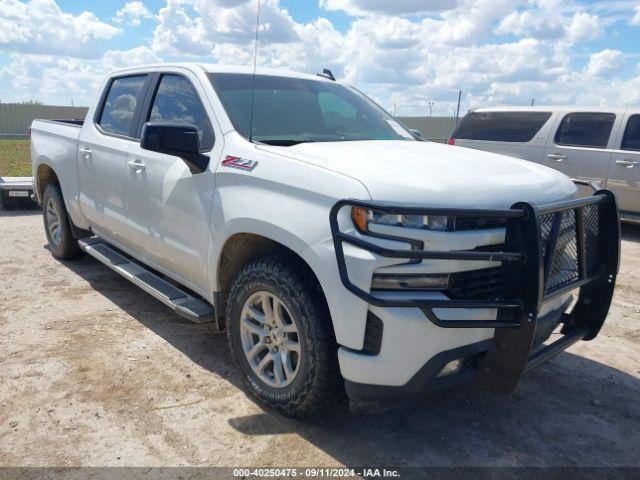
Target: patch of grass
<point x="15" y="158"/>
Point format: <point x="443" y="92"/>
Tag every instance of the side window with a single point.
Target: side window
<point x="120" y="104"/>
<point x="583" y="129"/>
<point x="501" y="126"/>
<point x="631" y="138"/>
<point x="176" y="101"/>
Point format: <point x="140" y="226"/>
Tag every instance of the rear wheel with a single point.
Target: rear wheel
<point x="281" y="337"/>
<point x="57" y="225"/>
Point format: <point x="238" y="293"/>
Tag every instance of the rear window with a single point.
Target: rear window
<point x="631" y="139"/>
<point x="501" y="126"/>
<point x="120" y="104"/>
<point x="585" y="129"/>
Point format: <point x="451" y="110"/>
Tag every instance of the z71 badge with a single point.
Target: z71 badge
<point x="239" y="163"/>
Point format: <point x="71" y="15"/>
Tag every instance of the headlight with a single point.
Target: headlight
<point x="362" y="217"/>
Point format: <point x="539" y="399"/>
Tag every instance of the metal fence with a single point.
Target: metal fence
<point x="15" y="119"/>
<point x="437" y="129"/>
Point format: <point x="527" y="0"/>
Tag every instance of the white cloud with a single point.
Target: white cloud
<point x="40" y="27"/>
<point x="605" y="63"/>
<point x="177" y="32"/>
<point x="635" y="20"/>
<point x="133" y="13"/>
<point x="59" y="80"/>
<point x="472" y="22"/>
<point x="195" y="27"/>
<point x="400" y="52"/>
<point x="534" y="23"/>
<point x="387" y="7"/>
<point x="584" y="27"/>
<point x="236" y="23"/>
<point x="551" y="19"/>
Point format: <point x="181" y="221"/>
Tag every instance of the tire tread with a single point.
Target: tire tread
<point x="68" y="248"/>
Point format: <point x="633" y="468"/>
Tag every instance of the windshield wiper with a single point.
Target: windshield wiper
<point x="284" y="142"/>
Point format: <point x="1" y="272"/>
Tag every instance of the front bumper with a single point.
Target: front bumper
<point x="536" y="271"/>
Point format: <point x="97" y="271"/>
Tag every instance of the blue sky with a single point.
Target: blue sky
<point x="402" y="52"/>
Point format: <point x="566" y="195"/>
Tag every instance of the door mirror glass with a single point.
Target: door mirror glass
<point x="174" y="139"/>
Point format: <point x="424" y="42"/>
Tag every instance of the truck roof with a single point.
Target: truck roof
<point x="550" y="108"/>
<point x="217" y="68"/>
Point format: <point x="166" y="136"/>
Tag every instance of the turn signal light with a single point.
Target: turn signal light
<point x="360" y="218"/>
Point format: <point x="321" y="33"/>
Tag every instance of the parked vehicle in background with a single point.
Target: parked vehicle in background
<point x="596" y="145"/>
<point x="298" y="215"/>
<point x="16" y="192"/>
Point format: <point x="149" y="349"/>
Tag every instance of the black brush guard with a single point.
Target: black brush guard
<point x="549" y="250"/>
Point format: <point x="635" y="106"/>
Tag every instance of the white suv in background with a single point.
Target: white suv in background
<point x="598" y="145"/>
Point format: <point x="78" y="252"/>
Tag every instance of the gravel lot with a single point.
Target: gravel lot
<point x="97" y="373"/>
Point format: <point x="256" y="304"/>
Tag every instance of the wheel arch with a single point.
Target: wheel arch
<point x="45" y="175"/>
<point x="243" y="247"/>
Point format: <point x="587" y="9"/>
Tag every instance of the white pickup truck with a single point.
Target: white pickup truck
<point x="338" y="250"/>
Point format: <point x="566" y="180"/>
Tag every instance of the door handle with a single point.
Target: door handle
<point x="136" y="165"/>
<point x="557" y="157"/>
<point x="627" y="163"/>
<point x="85" y="152"/>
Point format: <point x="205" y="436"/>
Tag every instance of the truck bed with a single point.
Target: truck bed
<point x="55" y="143"/>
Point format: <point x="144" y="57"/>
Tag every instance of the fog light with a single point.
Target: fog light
<point x="450" y="368"/>
<point x="383" y="281"/>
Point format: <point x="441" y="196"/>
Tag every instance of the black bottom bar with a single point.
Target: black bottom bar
<point x="556" y="347"/>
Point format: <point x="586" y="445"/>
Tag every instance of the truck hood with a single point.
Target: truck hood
<point x="435" y="174"/>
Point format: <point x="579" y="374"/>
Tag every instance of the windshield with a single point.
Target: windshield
<point x="288" y="110"/>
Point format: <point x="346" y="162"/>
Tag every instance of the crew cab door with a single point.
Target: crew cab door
<point x="168" y="206"/>
<point x="103" y="145"/>
<point x="582" y="145"/>
<point x="624" y="172"/>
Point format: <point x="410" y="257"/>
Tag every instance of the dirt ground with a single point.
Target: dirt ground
<point x="94" y="372"/>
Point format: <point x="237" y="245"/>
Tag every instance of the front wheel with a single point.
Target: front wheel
<point x="281" y="337"/>
<point x="57" y="225"/>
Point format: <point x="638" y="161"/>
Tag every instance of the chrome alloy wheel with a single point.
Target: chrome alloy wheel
<point x="53" y="221"/>
<point x="270" y="339"/>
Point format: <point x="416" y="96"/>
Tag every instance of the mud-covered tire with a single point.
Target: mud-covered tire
<point x="57" y="225"/>
<point x="317" y="383"/>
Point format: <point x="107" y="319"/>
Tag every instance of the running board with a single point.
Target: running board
<point x="184" y="304"/>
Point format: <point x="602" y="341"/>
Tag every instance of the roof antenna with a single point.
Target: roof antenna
<point x="326" y="73"/>
<point x="253" y="78"/>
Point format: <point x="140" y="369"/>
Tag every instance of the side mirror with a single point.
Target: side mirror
<point x="175" y="139"/>
<point x="416" y="133"/>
